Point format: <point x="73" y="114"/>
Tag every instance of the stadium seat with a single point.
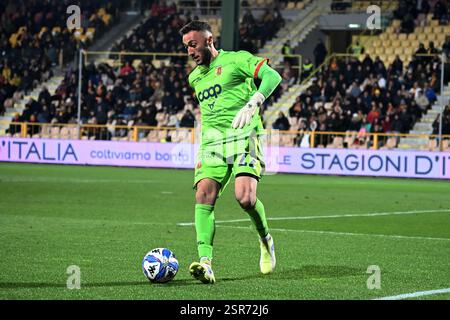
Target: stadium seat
<point x="386" y="43"/>
<point x="391" y="143"/>
<point x="300" y="5"/>
<point x="412" y="36"/>
<point x="396" y="23"/>
<point x="338" y="142"/>
<point x="64" y="133"/>
<point x="402" y="36"/>
<point x="445" y="145"/>
<point x="73" y="132"/>
<point x="45" y="132"/>
<point x="54" y="133"/>
<point x="432" y="145"/>
<point x="398" y="50"/>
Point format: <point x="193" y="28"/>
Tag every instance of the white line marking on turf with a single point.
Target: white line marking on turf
<point x="415" y="294"/>
<point x="326" y="217"/>
<point x="73" y="180"/>
<point x="346" y="233"/>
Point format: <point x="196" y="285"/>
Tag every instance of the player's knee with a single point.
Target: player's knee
<point x="205" y="197"/>
<point x="246" y="201"/>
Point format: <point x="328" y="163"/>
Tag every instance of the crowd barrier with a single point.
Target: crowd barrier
<point x="278" y="159"/>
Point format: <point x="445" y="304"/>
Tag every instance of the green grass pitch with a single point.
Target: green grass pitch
<point x="104" y="220"/>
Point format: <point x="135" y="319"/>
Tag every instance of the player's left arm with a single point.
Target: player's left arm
<point x="270" y="79"/>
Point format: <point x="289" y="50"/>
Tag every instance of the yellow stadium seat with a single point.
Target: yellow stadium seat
<point x="383" y="36"/>
<point x="414" y="44"/>
<point x="431" y="37"/>
<point x="389" y="50"/>
<point x="412" y="36"/>
<point x="56" y="30"/>
<point x="398" y="50"/>
<point x="422" y="37"/>
<point x="405" y="58"/>
<point x="376" y="43"/>
<point x="396" y="43"/>
<point x="136" y="63"/>
<point x="408" y="50"/>
<point x="434" y="23"/>
<point x="396" y="23"/>
<point x="386" y="43"/>
<point x="402" y="36"/>
<point x="390" y="29"/>
<point x="440" y="37"/>
<point x="290" y="5"/>
<point x="428" y="29"/>
<point x="300" y="5"/>
<point x="393" y="37"/>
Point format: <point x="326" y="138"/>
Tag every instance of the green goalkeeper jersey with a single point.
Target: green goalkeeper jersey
<point x="223" y="88"/>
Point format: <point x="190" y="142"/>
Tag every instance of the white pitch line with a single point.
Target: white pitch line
<point x="415" y="294"/>
<point x="347" y="233"/>
<point x="185" y="224"/>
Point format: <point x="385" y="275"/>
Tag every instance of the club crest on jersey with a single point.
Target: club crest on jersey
<point x="218" y="70"/>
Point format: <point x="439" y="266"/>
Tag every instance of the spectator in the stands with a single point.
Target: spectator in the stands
<point x="407" y="25"/>
<point x="320" y="53"/>
<point x="281" y="123"/>
<point x="397" y="66"/>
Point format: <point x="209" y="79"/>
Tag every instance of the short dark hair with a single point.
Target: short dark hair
<point x="195" y="25"/>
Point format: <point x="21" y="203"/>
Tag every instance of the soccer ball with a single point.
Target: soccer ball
<point x="160" y="265"/>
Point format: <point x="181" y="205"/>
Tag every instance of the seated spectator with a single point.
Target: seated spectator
<point x="281" y="123"/>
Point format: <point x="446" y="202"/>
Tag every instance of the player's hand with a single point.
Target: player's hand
<point x="244" y="116"/>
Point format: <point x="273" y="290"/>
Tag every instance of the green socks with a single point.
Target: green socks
<point x="258" y="217"/>
<point x="205" y="228"/>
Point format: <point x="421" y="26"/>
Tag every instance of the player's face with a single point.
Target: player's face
<point x="198" y="45"/>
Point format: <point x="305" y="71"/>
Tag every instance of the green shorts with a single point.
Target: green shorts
<point x="243" y="157"/>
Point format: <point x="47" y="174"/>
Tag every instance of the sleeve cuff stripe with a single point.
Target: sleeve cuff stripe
<point x="255" y="74"/>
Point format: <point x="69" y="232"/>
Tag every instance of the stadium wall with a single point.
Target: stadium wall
<point x="376" y="163"/>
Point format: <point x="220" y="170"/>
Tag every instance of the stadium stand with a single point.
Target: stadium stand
<point x="34" y="39"/>
<point x="382" y="91"/>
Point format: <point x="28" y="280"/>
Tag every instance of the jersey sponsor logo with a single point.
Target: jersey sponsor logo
<point x="211" y="92"/>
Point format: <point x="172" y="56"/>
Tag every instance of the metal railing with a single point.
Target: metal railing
<point x="283" y="138"/>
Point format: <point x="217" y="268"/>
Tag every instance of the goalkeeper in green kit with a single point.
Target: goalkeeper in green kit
<point x="223" y="82"/>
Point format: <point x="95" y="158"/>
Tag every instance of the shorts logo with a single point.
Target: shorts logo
<point x="211" y="92"/>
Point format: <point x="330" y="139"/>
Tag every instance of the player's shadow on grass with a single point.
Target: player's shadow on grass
<point x="305" y="272"/>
